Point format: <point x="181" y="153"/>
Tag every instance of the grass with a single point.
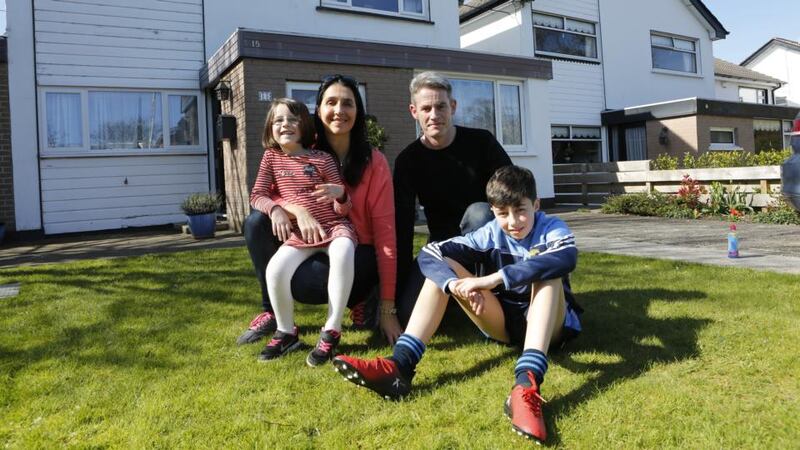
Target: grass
<point x="140" y="353"/>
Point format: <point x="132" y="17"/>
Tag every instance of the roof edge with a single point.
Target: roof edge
<point x="719" y="29"/>
<point x="763" y="48"/>
<point x="478" y="10"/>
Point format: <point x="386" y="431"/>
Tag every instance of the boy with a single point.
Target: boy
<point x="525" y="299"/>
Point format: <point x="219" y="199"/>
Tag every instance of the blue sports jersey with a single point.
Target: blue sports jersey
<point x="546" y="253"/>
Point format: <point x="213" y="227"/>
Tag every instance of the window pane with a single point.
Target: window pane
<point x="683" y="44"/>
<point x="787" y="126"/>
<point x="64" y="122"/>
<point x="661" y="40"/>
<point x="307" y="97"/>
<point x="412" y="6"/>
<point x="766" y="125"/>
<point x="559" y="132"/>
<point x="576" y="152"/>
<point x="565" y="43"/>
<point x="383" y="5"/>
<point x="183" y="129"/>
<point x="673" y="60"/>
<point x="579" y="26"/>
<point x="586" y="132"/>
<point x="768" y="140"/>
<point x="548" y="21"/>
<point x="722" y="137"/>
<point x="125" y="120"/>
<point x="475" y="104"/>
<point x="511" y="115"/>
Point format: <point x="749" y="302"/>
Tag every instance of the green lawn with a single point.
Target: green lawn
<point x="140" y="353"/>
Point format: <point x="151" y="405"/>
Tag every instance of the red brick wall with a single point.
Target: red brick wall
<point x="387" y="99"/>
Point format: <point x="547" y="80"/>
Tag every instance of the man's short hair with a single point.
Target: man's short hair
<point x="510" y="185"/>
<point x="430" y="80"/>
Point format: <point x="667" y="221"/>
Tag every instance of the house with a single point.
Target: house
<point x="126" y="97"/>
<point x="628" y="77"/>
<point x="779" y="58"/>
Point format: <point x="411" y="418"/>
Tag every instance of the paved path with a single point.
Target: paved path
<point x="763" y="247"/>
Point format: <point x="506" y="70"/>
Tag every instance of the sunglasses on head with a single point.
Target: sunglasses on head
<point x="339" y="77"/>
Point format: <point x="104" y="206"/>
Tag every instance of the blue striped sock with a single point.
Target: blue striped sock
<point x="408" y="352"/>
<point x="534" y="361"/>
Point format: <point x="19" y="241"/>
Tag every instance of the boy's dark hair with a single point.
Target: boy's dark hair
<point x="305" y="127"/>
<point x="510" y="185"/>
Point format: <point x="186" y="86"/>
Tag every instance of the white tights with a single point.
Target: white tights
<point x="281" y="268"/>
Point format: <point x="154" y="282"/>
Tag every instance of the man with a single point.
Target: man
<point x="446" y="169"/>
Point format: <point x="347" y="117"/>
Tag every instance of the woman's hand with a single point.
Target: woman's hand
<point x="390" y="326"/>
<point x="310" y="230"/>
<point x="328" y="192"/>
<point x="281" y="224"/>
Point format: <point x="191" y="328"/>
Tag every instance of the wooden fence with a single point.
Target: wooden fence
<point x="590" y="183"/>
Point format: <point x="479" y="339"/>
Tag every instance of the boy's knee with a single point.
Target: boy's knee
<point x="555" y="284"/>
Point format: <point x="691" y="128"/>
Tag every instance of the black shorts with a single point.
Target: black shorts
<point x="516" y="320"/>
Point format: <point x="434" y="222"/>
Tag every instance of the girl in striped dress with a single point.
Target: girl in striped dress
<point x="291" y="173"/>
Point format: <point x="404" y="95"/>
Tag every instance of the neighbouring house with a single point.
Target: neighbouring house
<point x="627" y="76"/>
<point x="137" y="104"/>
<point x="6" y="174"/>
<point x="779" y="58"/>
<point x="737" y="83"/>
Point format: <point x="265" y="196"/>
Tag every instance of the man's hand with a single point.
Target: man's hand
<point x="281" y="224"/>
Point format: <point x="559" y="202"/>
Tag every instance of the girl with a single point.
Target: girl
<point x="291" y="173"/>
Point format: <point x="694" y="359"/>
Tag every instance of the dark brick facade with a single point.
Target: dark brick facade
<point x="386" y="98"/>
<point x="6" y="174"/>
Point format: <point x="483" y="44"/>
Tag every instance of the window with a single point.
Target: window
<point x="559" y="36"/>
<point x="723" y="139"/>
<point x="753" y="95"/>
<point x="575" y="144"/>
<point x="94" y="120"/>
<point x="767" y="135"/>
<point x="674" y="53"/>
<point x="409" y="8"/>
<point x="307" y="93"/>
<point x="492" y="105"/>
<point x="787" y="134"/>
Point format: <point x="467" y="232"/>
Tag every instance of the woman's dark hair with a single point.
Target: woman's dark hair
<point x="360" y="152"/>
<point x="305" y="127"/>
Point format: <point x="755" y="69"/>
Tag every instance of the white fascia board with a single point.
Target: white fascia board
<point x="22" y="105"/>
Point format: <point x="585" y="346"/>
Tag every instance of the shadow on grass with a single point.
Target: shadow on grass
<point x="616" y="322"/>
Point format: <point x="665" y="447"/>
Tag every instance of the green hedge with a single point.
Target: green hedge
<point x="720" y="159"/>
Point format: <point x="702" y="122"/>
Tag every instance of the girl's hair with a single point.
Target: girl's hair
<point x="360" y="152"/>
<point x="305" y="127"/>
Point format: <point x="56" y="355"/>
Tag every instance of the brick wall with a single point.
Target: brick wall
<point x="743" y="131"/>
<point x="681" y="136"/>
<point x="6" y="175"/>
<point x="386" y="97"/>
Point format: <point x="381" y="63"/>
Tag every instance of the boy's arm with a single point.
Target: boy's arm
<point x="466" y="250"/>
<point x="557" y="260"/>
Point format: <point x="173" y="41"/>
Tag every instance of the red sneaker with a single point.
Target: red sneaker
<point x="379" y="374"/>
<point x="524" y="408"/>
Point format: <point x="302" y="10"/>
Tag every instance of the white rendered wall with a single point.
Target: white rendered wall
<point x="726" y="90"/>
<point x="22" y="104"/>
<point x="538" y="155"/>
<point x="507" y="30"/>
<point x="784" y="64"/>
<point x="627" y="57"/>
<point x="302" y="17"/>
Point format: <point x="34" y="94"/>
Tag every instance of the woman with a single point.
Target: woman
<point x="342" y="131"/>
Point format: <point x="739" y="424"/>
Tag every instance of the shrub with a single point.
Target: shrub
<point x="722" y="201"/>
<point x="640" y="204"/>
<point x="781" y="213"/>
<point x="201" y="203"/>
<point x="664" y="162"/>
<point x="689" y="192"/>
<point x="720" y="159"/>
<point x="376" y="134"/>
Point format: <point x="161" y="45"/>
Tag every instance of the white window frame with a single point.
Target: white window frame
<point x="787" y="135"/>
<point x="572" y="137"/>
<point x="757" y="89"/>
<point x="723" y="146"/>
<point x="85" y="149"/>
<point x="498" y="119"/>
<point x="347" y="5"/>
<point x="564" y="30"/>
<point x="698" y="69"/>
<point x="314" y="86"/>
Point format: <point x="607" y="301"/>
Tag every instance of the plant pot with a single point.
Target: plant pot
<point x="203" y="225"/>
